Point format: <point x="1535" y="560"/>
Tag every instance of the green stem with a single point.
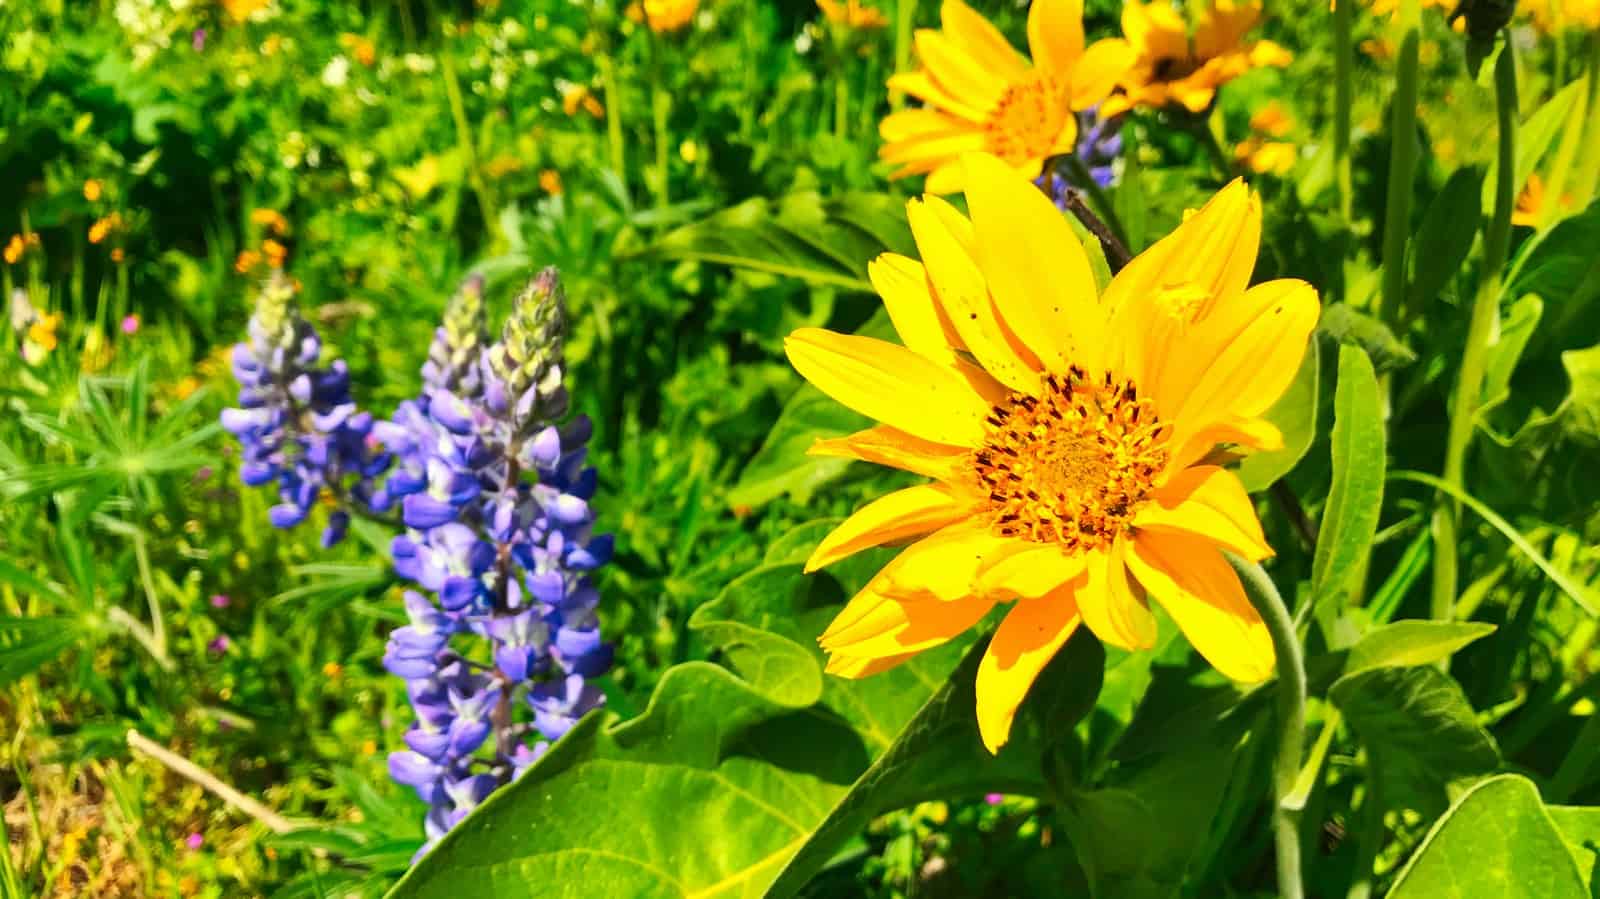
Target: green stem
<point x="1570" y="777"/>
<point x="1402" y="166"/>
<point x="904" y="15"/>
<point x="469" y="151"/>
<point x="1264" y="596"/>
<point x="1480" y="333"/>
<point x="1588" y="170"/>
<point x="661" y="107"/>
<point x="841" y="98"/>
<point x="608" y="82"/>
<point x="1107" y="210"/>
<point x="1343" y="94"/>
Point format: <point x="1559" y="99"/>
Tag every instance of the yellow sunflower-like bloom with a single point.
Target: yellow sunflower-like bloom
<point x="1172" y="67"/>
<point x="1554" y="16"/>
<point x="669" y="15"/>
<point x="982" y="95"/>
<point x="852" y="14"/>
<point x="1260" y="151"/>
<point x="1067" y="435"/>
<point x="1530" y="209"/>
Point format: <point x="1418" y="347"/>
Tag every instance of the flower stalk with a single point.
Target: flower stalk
<point x="1266" y="599"/>
<point x="1402" y="165"/>
<point x="1480" y="334"/>
<point x="1343" y="98"/>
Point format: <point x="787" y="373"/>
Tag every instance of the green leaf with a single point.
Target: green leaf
<point x="823" y="241"/>
<point x="1445" y="237"/>
<point x="1412" y="642"/>
<point x="1295" y="414"/>
<point x="935" y="756"/>
<point x="27" y="644"/>
<point x="1582" y="405"/>
<point x="1350" y="518"/>
<point x="1420" y="733"/>
<point x="1579" y="827"/>
<point x="1534" y="137"/>
<point x="781" y="465"/>
<point x="1574" y="590"/>
<point x="1521" y="320"/>
<point x="726" y="777"/>
<point x="1564" y="269"/>
<point x="1348" y="326"/>
<point x="1496" y="841"/>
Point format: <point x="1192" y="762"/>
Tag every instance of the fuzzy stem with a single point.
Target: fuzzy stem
<point x="1264" y="596"/>
<point x="1402" y="166"/>
<point x="1082" y="178"/>
<point x="1480" y="334"/>
<point x="1117" y="255"/>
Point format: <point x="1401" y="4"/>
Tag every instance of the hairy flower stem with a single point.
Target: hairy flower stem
<point x="1480" y="334"/>
<point x="1264" y="596"/>
<point x="1343" y="98"/>
<point x="1402" y="165"/>
<point x="1117" y="255"/>
<point x="1082" y="179"/>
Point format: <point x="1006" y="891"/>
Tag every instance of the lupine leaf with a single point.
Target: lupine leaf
<point x="1295" y="414"/>
<point x="823" y="241"/>
<point x="1420" y="733"/>
<point x="726" y="777"/>
<point x="1350" y="518"/>
<point x="1496" y="841"/>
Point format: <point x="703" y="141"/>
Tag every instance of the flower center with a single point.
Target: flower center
<point x="1026" y="122"/>
<point x="1173" y="68"/>
<point x="1071" y="465"/>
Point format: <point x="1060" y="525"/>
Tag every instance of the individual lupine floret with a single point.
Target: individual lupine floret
<point x="296" y="422"/>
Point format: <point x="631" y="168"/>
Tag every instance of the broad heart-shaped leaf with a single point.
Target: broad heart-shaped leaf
<point x="1295" y="414"/>
<point x="781" y="465"/>
<point x="1412" y="642"/>
<point x="1580" y="830"/>
<point x="1350" y="517"/>
<point x="725" y="777"/>
<point x="1445" y="236"/>
<point x="1564" y="270"/>
<point x="1420" y="733"/>
<point x="1496" y="842"/>
<point x="824" y="241"/>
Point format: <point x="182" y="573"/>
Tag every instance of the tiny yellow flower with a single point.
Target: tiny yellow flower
<point x="669" y="15"/>
<point x="1272" y="120"/>
<point x="1531" y="207"/>
<point x="1260" y="152"/>
<point x="270" y="219"/>
<point x="246" y="261"/>
<point x="853" y="14"/>
<point x="14" y="249"/>
<point x="274" y="252"/>
<point x="118" y="255"/>
<point x="982" y="95"/>
<point x="104" y="226"/>
<point x="92" y="190"/>
<point x="359" y="47"/>
<point x="242" y="10"/>
<point x="1171" y="67"/>
<point x="1066" y="434"/>
<point x="689" y="151"/>
<point x="550" y="182"/>
<point x="369" y="747"/>
<point x="332" y="670"/>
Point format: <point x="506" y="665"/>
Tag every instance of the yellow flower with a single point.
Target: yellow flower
<point x="332" y="670"/>
<point x="14" y="249"/>
<point x="1554" y="16"/>
<point x="42" y="333"/>
<point x="550" y="181"/>
<point x="240" y="10"/>
<point x="669" y="15"/>
<point x="982" y="95"/>
<point x="271" y="219"/>
<point x="1066" y="433"/>
<point x="92" y="190"/>
<point x="1262" y="154"/>
<point x="103" y="227"/>
<point x="852" y="14"/>
<point x="1272" y="120"/>
<point x="274" y="252"/>
<point x="578" y="97"/>
<point x="1173" y="68"/>
<point x="359" y="47"/>
<point x="246" y="261"/>
<point x="1531" y="203"/>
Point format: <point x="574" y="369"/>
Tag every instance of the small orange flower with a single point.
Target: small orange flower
<point x="1533" y="202"/>
<point x="359" y="47"/>
<point x="117" y="255"/>
<point x="271" y="219"/>
<point x="246" y="261"/>
<point x="92" y="190"/>
<point x="332" y="670"/>
<point x="274" y="252"/>
<point x="14" y="249"/>
<point x="103" y="227"/>
<point x="550" y="182"/>
<point x="579" y="97"/>
<point x="852" y="14"/>
<point x="669" y="15"/>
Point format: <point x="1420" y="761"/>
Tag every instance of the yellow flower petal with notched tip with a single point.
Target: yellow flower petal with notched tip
<point x="1067" y="480"/>
<point x="983" y="95"/>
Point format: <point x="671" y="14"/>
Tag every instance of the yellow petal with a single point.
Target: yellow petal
<point x="1029" y="637"/>
<point x="883" y="445"/>
<point x="944" y="565"/>
<point x="1253" y="369"/>
<point x="1201" y="592"/>
<point x="1248" y="433"/>
<point x="916" y="315"/>
<point x="1035" y="267"/>
<point x="953" y="69"/>
<point x="944" y="242"/>
<point x="927" y="151"/>
<point x="1055" y="34"/>
<point x="1105" y="63"/>
<point x="890" y="518"/>
<point x="1194" y="94"/>
<point x="1029" y="571"/>
<point x="1155" y="29"/>
<point x="896" y="627"/>
<point x="910" y="123"/>
<point x="922" y="86"/>
<point x="1221" y="27"/>
<point x="890" y="383"/>
<point x="854" y="667"/>
<point x="1109" y="604"/>
<point x="981" y="40"/>
<point x="1268" y="53"/>
<point x="948" y="178"/>
<point x="1210" y="503"/>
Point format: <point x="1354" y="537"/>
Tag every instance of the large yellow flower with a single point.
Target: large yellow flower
<point x="1170" y="67"/>
<point x="1068" y="436"/>
<point x="1554" y="16"/>
<point x="982" y="95"/>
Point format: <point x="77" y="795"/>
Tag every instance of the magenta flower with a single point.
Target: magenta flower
<point x="219" y="644"/>
<point x="220" y="600"/>
<point x="130" y="324"/>
<point x="194" y="840"/>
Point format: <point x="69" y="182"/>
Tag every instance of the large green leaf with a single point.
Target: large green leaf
<point x="729" y="775"/>
<point x="1295" y="414"/>
<point x="781" y="465"/>
<point x="823" y="241"/>
<point x="1350" y="518"/>
<point x="1496" y="842"/>
<point x="1420" y="733"/>
<point x="1445" y="237"/>
<point x="1580" y="830"/>
<point x="1564" y="270"/>
<point x="1582" y="406"/>
<point x="1412" y="642"/>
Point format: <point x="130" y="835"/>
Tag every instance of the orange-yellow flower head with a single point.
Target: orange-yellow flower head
<point x="1555" y="16"/>
<point x="1260" y="151"/>
<point x="1171" y="66"/>
<point x="1067" y="435"/>
<point x="982" y="95"/>
<point x="669" y="15"/>
<point x="852" y="14"/>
